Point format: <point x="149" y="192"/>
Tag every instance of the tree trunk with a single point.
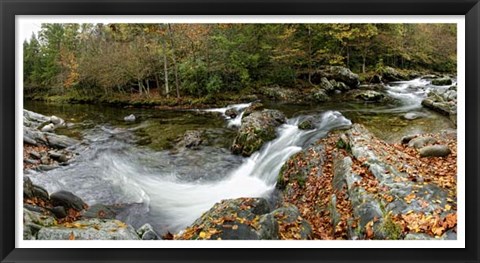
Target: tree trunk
<point x="174" y="59"/>
<point x="165" y="66"/>
<point x="309" y="55"/>
<point x="348" y="57"/>
<point x="364" y="61"/>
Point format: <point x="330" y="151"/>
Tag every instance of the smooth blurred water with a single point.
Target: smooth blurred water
<point x="170" y="189"/>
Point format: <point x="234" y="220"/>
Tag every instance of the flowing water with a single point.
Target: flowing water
<point x="136" y="167"/>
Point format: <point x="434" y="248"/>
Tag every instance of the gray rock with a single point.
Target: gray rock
<point x="33" y="222"/>
<point x="35" y="155"/>
<point x="99" y="211"/>
<point x="418" y="236"/>
<point x="27" y="187"/>
<point x="59" y="211"/>
<point x="391" y="74"/>
<point x="146" y="232"/>
<point x="408" y="138"/>
<point x="67" y="200"/>
<point x="30" y="161"/>
<point x="413" y="115"/>
<point x="90" y="229"/>
<point x="60" y="157"/>
<point x="33" y="119"/>
<point x="442" y="81"/>
<point x="434" y="151"/>
<point x="307" y="124"/>
<point x="341" y="74"/>
<point x="319" y="95"/>
<point x="48" y="128"/>
<point x="46" y="167"/>
<point x="232" y="113"/>
<point x="256" y="129"/>
<point x="326" y="85"/>
<point x="420" y="142"/>
<point x="60" y="141"/>
<point x="129" y="118"/>
<point x="40" y="193"/>
<point x="33" y="136"/>
<point x="289" y="214"/>
<point x="238" y="227"/>
<point x="56" y="120"/>
<point x="369" y="95"/>
<point x="192" y="139"/>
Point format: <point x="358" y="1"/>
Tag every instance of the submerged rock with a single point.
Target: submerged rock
<point x="191" y="139"/>
<point x="256" y="129"/>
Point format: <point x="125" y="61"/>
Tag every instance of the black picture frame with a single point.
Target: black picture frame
<point x="11" y="8"/>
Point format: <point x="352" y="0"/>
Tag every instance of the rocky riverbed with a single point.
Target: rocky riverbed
<point x="267" y="173"/>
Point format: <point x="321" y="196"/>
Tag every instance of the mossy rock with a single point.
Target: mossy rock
<point x="256" y="129"/>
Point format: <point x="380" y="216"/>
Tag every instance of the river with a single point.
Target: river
<point x="134" y="166"/>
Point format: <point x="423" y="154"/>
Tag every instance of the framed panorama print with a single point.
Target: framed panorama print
<point x="241" y="131"/>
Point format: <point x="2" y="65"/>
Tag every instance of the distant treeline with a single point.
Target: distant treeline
<point x="203" y="59"/>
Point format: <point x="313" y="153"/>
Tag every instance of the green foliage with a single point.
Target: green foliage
<point x="209" y="59"/>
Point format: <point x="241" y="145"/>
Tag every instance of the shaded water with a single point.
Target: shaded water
<point x="132" y="165"/>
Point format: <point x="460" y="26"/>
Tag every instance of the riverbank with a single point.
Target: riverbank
<point x="324" y="83"/>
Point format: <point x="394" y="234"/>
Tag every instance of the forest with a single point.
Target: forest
<point x="241" y="132"/>
<point x="177" y="61"/>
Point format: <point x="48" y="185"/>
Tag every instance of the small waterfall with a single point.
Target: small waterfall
<point x="232" y="122"/>
<point x="178" y="203"/>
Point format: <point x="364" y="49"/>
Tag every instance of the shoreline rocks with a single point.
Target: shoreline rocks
<point x="64" y="216"/>
<point x="247" y="219"/>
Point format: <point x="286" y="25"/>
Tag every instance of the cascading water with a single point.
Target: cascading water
<point x="170" y="190"/>
<point x="411" y="93"/>
<point x="178" y="203"/>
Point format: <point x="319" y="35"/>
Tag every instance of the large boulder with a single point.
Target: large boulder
<point x="240" y="219"/>
<point x="444" y="102"/>
<point x="338" y="73"/>
<point x="248" y="219"/>
<point x="391" y="74"/>
<point x="67" y="200"/>
<point x="256" y="129"/>
<point x="389" y="170"/>
<point x="33" y="221"/>
<point x="59" y="141"/>
<point x="89" y="229"/>
<point x="434" y="151"/>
